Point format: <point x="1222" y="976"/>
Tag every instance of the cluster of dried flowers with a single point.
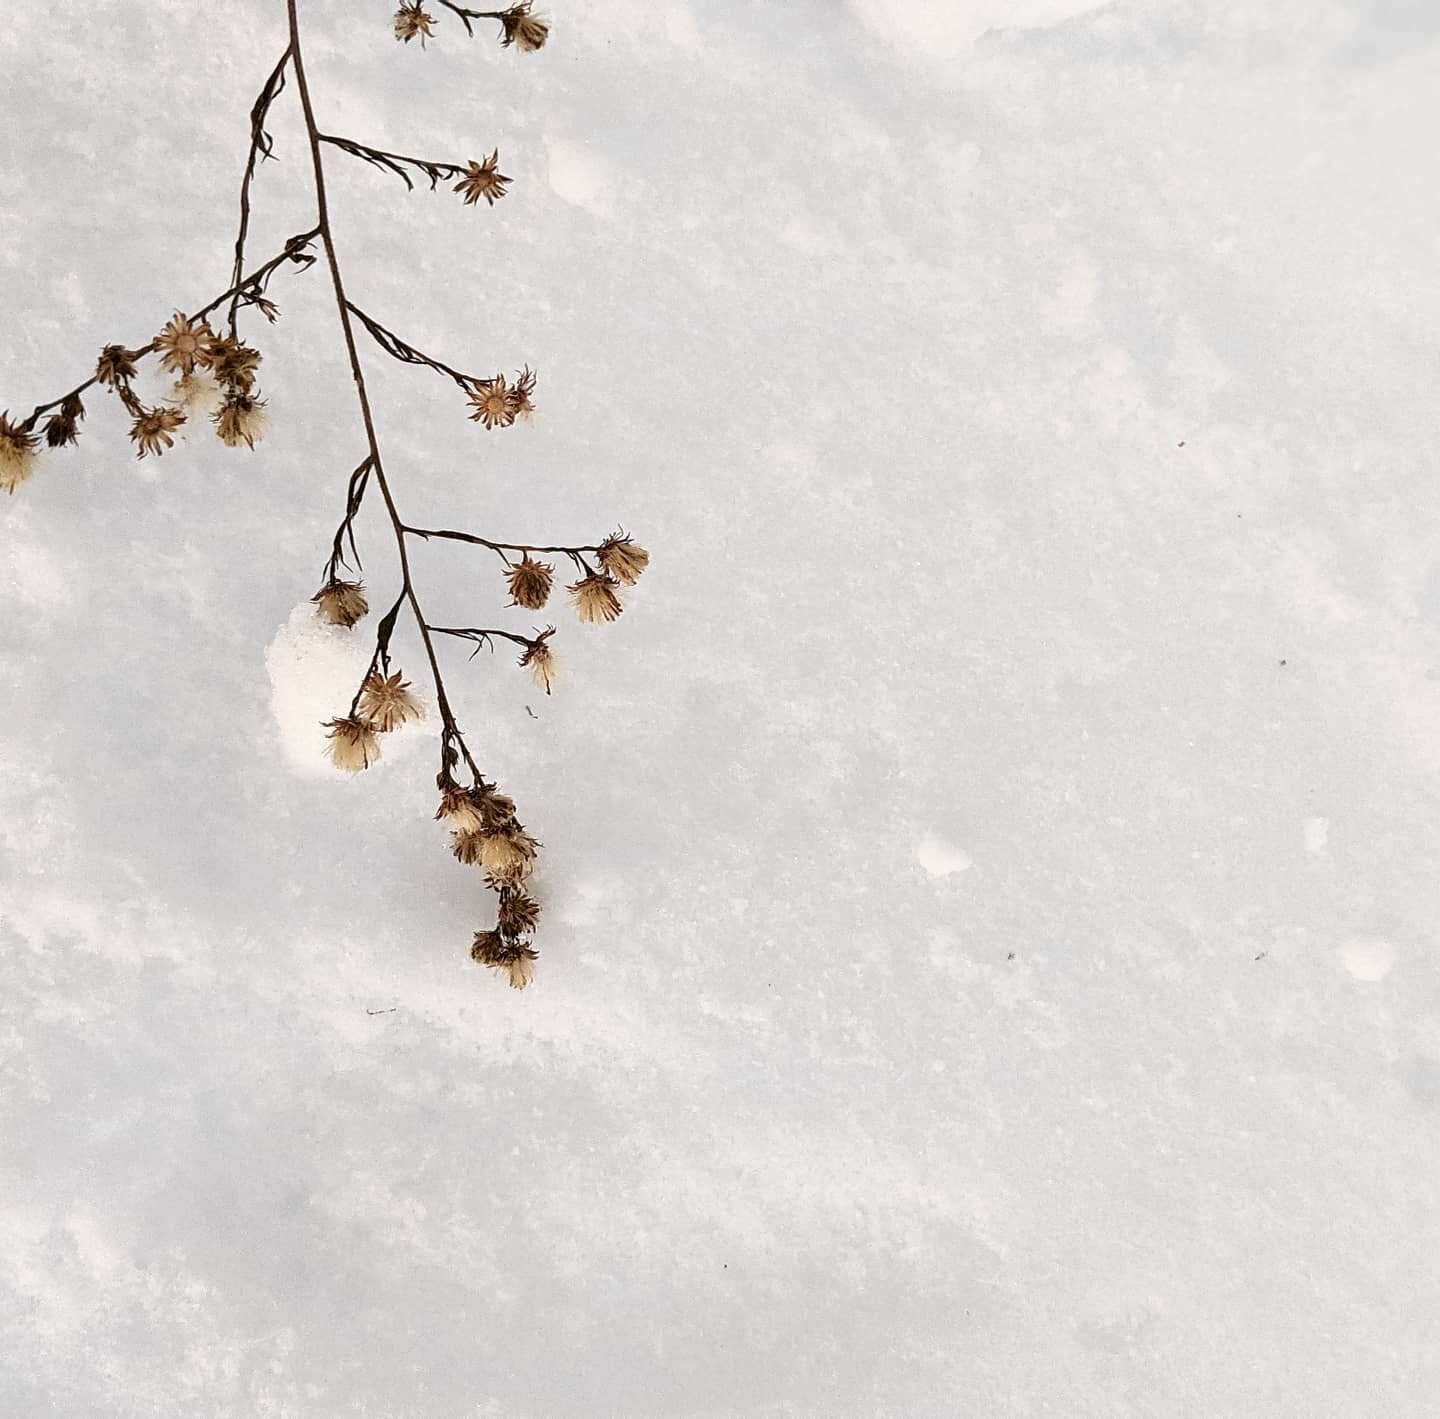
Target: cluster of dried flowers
<point x="214" y="376"/>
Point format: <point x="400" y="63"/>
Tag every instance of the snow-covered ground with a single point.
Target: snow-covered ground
<point x="990" y="964"/>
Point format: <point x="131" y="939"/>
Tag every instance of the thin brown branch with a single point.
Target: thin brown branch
<point x="407" y="353"/>
<point x="261" y="147"/>
<point x="501" y="547"/>
<point x="294" y="251"/>
<point x="396" y="162"/>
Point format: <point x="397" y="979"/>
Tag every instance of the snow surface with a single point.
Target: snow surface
<point x="990" y="957"/>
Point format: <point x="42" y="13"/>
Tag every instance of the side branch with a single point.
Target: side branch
<point x="295" y="250"/>
<point x="262" y="146"/>
<point x="396" y="162"/>
<point x="406" y="353"/>
<point x="501" y="547"/>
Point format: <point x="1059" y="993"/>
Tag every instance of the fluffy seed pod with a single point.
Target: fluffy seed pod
<point x="387" y="702"/>
<point x="623" y="558"/>
<point x="17" y="454"/>
<point x="541" y="661"/>
<point x="518" y="912"/>
<point x="509" y="855"/>
<point x="241" y="419"/>
<point x="525" y="31"/>
<point x="411" y="21"/>
<point x="513" y="957"/>
<point x="460" y="811"/>
<point x="351" y="744"/>
<point x="595" y="599"/>
<point x="341" y="603"/>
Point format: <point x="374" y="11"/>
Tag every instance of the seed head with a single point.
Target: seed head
<point x="341" y="603"/>
<point x="234" y="363"/>
<point x="241" y="419"/>
<point x="116" y="366"/>
<point x="351" y="744"/>
<point x="460" y="810"/>
<point x="623" y="558"/>
<point x="411" y="20"/>
<point x="197" y="394"/>
<point x="595" y="599"/>
<point x="525" y="31"/>
<point x="518" y="912"/>
<point x="492" y="403"/>
<point x="483" y="180"/>
<point x="17" y="454"/>
<point x="183" y="344"/>
<point x="541" y="661"/>
<point x="520" y="393"/>
<point x="515" y="958"/>
<point x="387" y="702"/>
<point x="530" y="583"/>
<point x="508" y="855"/>
<point x="154" y="430"/>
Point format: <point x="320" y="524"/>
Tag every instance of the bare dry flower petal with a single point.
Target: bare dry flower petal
<point x="541" y="661"/>
<point x="388" y="702"/>
<point x="492" y="402"/>
<point x="154" y="430"/>
<point x="525" y="31"/>
<point x="241" y="419"/>
<point x="116" y="366"/>
<point x="411" y="20"/>
<point x="483" y="180"/>
<point x="183" y="344"/>
<point x="623" y="558"/>
<point x="17" y="454"/>
<point x="530" y="583"/>
<point x="595" y="599"/>
<point x="341" y="603"/>
<point x="351" y="744"/>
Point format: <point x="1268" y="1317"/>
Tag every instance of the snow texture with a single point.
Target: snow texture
<point x="990" y="956"/>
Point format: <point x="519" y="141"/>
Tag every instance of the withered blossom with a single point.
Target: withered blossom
<point x="351" y="744"/>
<point x="508" y="855"/>
<point x="183" y="344"/>
<point x="595" y="599"/>
<point x="530" y="583"/>
<point x="520" y="393"/>
<point x="541" y="661"/>
<point x="493" y="405"/>
<point x="525" y="31"/>
<point x="623" y="558"/>
<point x="483" y="180"/>
<point x="234" y="363"/>
<point x="17" y="454"/>
<point x="62" y="427"/>
<point x="241" y="419"/>
<point x="519" y="913"/>
<point x="116" y="366"/>
<point x="410" y="21"/>
<point x="341" y="603"/>
<point x="154" y="430"/>
<point x="388" y="702"/>
<point x="458" y="808"/>
<point x="515" y="958"/>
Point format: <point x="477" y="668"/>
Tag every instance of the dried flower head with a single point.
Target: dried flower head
<point x="530" y="583"/>
<point x="116" y="366"/>
<point x="541" y="661"/>
<point x="508" y="855"/>
<point x="411" y="20"/>
<point x="388" y="702"/>
<point x="351" y="744"/>
<point x="459" y="809"/>
<point x="519" y="913"/>
<point x="183" y="344"/>
<point x="623" y="558"/>
<point x="520" y="393"/>
<point x="526" y="31"/>
<point x="62" y="426"/>
<point x="515" y="958"/>
<point x="154" y="430"/>
<point x="341" y="603"/>
<point x="483" y="180"/>
<point x="197" y="394"/>
<point x="234" y="363"/>
<point x="595" y="599"/>
<point x="241" y="419"/>
<point x="493" y="405"/>
<point x="497" y="810"/>
<point x="17" y="454"/>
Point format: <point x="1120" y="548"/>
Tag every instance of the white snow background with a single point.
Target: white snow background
<point x="989" y="964"/>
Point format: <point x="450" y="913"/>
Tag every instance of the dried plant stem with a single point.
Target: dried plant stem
<point x="293" y="248"/>
<point x="313" y="134"/>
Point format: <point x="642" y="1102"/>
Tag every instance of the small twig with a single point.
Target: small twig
<point x="261" y="146"/>
<point x="428" y="532"/>
<point x="407" y="353"/>
<point x="396" y="162"/>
